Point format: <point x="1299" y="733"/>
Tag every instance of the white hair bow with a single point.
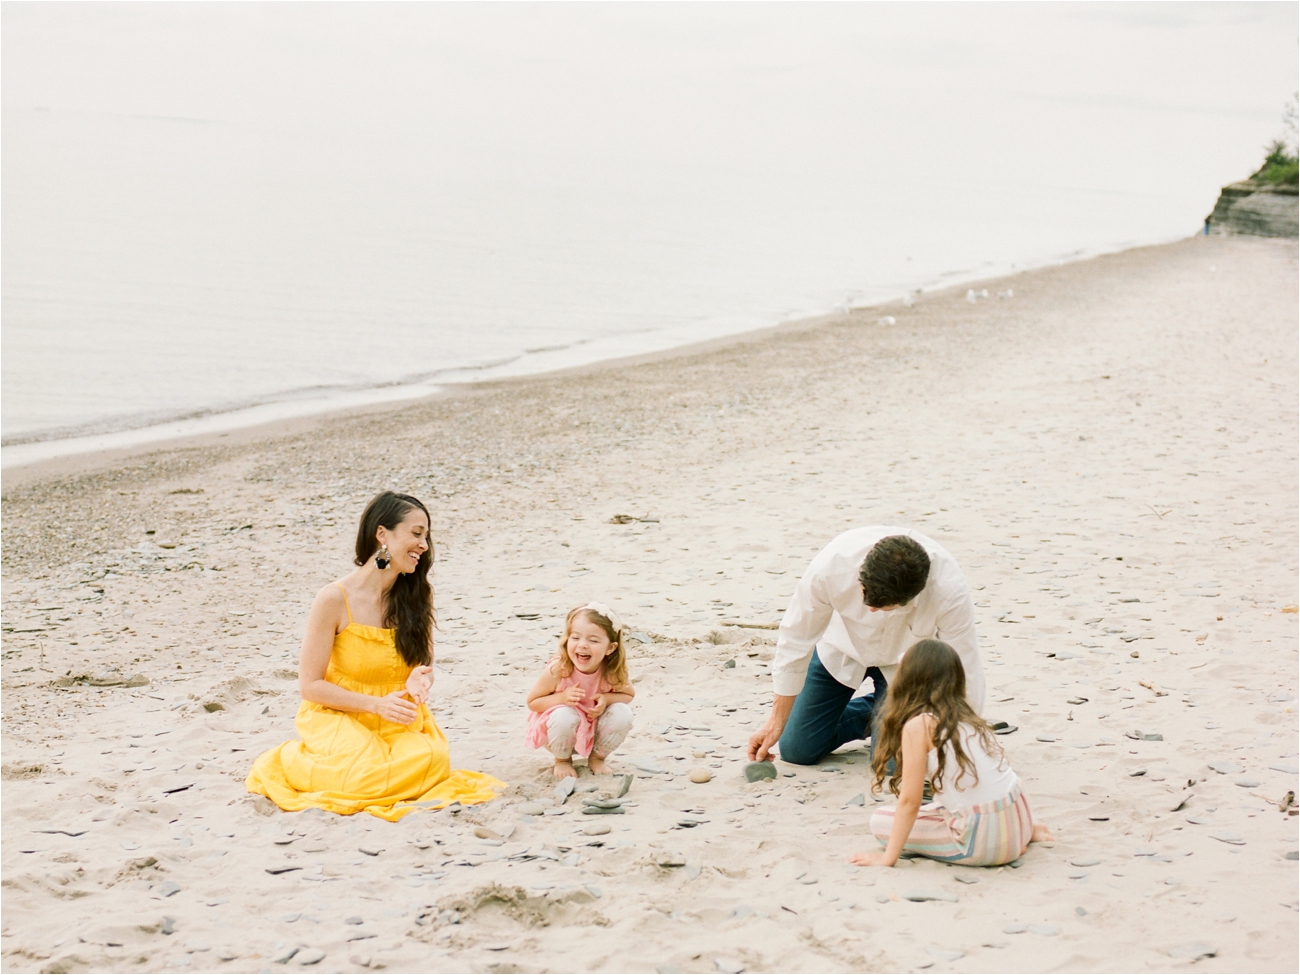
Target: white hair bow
<point x="606" y="612"/>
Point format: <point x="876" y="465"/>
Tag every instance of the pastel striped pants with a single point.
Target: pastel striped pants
<point x="986" y="835"/>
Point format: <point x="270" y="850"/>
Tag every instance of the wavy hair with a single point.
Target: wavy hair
<point x="614" y="666"/>
<point x="930" y="680"/>
<point x="409" y="606"/>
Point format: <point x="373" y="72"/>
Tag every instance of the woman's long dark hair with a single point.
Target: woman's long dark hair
<point x="930" y="680"/>
<point x="409" y="609"/>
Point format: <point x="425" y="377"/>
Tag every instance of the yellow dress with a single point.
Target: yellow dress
<point x="351" y="762"/>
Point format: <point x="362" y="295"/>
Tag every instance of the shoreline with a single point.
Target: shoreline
<point x="23" y="473"/>
<point x="1110" y="455"/>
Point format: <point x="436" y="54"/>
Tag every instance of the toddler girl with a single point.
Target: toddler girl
<point x="979" y="816"/>
<point x="580" y="701"/>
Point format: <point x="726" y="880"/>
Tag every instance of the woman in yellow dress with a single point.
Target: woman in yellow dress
<point x="369" y="743"/>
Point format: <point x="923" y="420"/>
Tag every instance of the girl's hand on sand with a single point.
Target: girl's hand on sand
<point x="870" y="858"/>
<point x="599" y="708"/>
<point x="419" y="682"/>
<point x="572" y="695"/>
<point x="395" y="708"/>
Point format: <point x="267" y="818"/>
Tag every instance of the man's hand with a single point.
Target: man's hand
<point x="763" y="740"/>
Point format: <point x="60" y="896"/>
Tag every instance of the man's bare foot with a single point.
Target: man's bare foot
<point x="1042" y="834"/>
<point x="564" y="770"/>
<point x="596" y="765"/>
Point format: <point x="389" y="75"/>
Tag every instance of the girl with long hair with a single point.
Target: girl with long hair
<point x="580" y="702"/>
<point x="979" y="815"/>
<point x="365" y="670"/>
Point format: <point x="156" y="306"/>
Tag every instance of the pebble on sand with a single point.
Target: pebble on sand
<point x="309" y="956"/>
<point x="920" y="896"/>
<point x="757" y="771"/>
<point x="596" y="829"/>
<point x="1193" y="950"/>
<point x="700" y="775"/>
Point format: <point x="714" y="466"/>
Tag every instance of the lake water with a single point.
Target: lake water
<point x="219" y="213"/>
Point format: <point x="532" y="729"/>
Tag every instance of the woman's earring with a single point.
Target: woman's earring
<point x="383" y="559"/>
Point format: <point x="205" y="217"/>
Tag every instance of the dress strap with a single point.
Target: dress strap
<point x="345" y="602"/>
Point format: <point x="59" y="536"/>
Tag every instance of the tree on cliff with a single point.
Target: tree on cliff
<point x="1282" y="164"/>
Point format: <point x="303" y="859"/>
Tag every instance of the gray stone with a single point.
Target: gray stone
<point x="758" y="771"/>
<point x="1248" y="783"/>
<point x="1137" y="772"/>
<point x="944" y="954"/>
<point x="965" y="878"/>
<point x="671" y="860"/>
<point x="309" y="956"/>
<point x="1289" y="769"/>
<point x="531" y="809"/>
<point x="587" y="785"/>
<point x="920" y="896"/>
<point x="1084" y="862"/>
<point x="1081" y="911"/>
<point x="729" y="966"/>
<point x="1046" y="930"/>
<point x="596" y="829"/>
<point x="284" y="956"/>
<point x="1193" y="950"/>
<point x="355" y="919"/>
<point x="1016" y="927"/>
<point x="593" y="891"/>
<point x="859" y="800"/>
<point x="168" y="925"/>
<point x="1293" y="854"/>
<point x="624" y="783"/>
<point x="1232" y="839"/>
<point x="1226" y="768"/>
<point x="1153" y="737"/>
<point x="564" y="788"/>
<point x="1017" y="863"/>
<point x="370" y="851"/>
<point x="168" y="887"/>
<point x="730" y="664"/>
<point x="1046" y="738"/>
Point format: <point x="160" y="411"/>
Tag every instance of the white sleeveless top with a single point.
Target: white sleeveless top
<point x="996" y="779"/>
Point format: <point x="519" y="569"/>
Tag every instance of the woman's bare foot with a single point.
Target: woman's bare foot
<point x="564" y="770"/>
<point x="596" y="765"/>
<point x="1042" y="834"/>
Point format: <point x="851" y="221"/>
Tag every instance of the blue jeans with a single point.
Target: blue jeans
<point x="826" y="715"/>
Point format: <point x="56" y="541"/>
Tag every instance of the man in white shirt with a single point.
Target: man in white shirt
<point x="867" y="596"/>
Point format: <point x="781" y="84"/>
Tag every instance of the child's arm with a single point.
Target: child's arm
<point x="543" y="696"/>
<point x="916" y="744"/>
<point x="622" y="694"/>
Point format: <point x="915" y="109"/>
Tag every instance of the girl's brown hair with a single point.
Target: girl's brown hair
<point x="930" y="680"/>
<point x="614" y="666"/>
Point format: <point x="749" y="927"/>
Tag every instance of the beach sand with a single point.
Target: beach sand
<point x="1111" y="455"/>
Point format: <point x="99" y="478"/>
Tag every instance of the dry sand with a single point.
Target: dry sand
<point x="1111" y="455"/>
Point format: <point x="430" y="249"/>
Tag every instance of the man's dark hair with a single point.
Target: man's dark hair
<point x="894" y="571"/>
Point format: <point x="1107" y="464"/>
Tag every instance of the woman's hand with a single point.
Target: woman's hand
<point x="871" y="858"/>
<point x="419" y="682"/>
<point x="602" y="702"/>
<point x="395" y="708"/>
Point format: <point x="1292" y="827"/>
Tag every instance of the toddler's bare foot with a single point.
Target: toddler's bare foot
<point x="1042" y="834"/>
<point x="596" y="765"/>
<point x="564" y="770"/>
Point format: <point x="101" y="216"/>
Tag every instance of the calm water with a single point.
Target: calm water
<point x="211" y="207"/>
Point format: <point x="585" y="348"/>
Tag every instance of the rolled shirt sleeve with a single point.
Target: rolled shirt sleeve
<point x="805" y="620"/>
<point x="956" y="627"/>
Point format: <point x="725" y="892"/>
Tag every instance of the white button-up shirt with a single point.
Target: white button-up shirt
<point x="827" y="612"/>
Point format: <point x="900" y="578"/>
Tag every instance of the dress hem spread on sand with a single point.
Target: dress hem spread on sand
<point x="349" y="762"/>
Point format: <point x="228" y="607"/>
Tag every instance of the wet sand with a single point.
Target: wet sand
<point x="1110" y="454"/>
